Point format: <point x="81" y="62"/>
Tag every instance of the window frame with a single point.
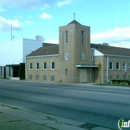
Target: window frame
<point x="37" y="66"/>
<point x="82" y="36"/>
<point x="52" y="77"/>
<point x="82" y="56"/>
<point x="66" y="56"/>
<point x="91" y="56"/>
<point x="30" y="66"/>
<point x="117" y="63"/>
<point x="66" y="37"/>
<point x="124" y="66"/>
<point x="44" y="68"/>
<point x="66" y="71"/>
<point x="44" y="77"/>
<point x="52" y="66"/>
<point x="110" y="66"/>
<point x="37" y="77"/>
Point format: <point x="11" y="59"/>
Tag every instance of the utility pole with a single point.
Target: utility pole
<point x="11" y="30"/>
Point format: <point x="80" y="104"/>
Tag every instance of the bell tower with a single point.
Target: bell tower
<point x="74" y="48"/>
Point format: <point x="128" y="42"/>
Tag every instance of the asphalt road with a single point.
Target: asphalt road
<point x="97" y="106"/>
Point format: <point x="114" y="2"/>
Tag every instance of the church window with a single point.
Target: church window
<point x="117" y="65"/>
<point x="91" y="56"/>
<point x="110" y="65"/>
<point x="52" y="65"/>
<point x="44" y="65"/>
<point x="82" y="36"/>
<point x="44" y="77"/>
<point x="66" y="71"/>
<point x="52" y="78"/>
<point x="37" y="66"/>
<point x="30" y="66"/>
<point x="82" y="56"/>
<point x="124" y="66"/>
<point x="66" y="56"/>
<point x="66" y="36"/>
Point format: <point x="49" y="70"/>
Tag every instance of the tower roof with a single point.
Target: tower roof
<point x="74" y="22"/>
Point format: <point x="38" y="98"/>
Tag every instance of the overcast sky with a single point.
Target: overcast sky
<point x="109" y="19"/>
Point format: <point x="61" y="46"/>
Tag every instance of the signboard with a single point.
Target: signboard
<point x="99" y="66"/>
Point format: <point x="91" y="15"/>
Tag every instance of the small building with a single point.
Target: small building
<point x="12" y="57"/>
<point x="75" y="60"/>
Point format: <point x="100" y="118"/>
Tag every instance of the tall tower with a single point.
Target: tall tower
<point x="74" y="48"/>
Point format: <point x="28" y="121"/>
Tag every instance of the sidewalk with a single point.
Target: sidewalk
<point x="12" y="118"/>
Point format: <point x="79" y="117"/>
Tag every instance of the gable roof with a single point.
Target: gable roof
<point x="51" y="49"/>
<point x="47" y="50"/>
<point x="111" y="50"/>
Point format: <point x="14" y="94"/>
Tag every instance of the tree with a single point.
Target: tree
<point x="105" y="44"/>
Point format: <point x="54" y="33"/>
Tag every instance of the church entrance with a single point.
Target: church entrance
<point x="83" y="75"/>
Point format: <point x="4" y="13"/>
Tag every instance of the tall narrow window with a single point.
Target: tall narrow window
<point x="66" y="56"/>
<point x="37" y="66"/>
<point x="91" y="56"/>
<point x="110" y="65"/>
<point x="44" y="65"/>
<point x="117" y="66"/>
<point x="82" y="56"/>
<point x="66" y="36"/>
<point x="66" y="71"/>
<point x="124" y="66"/>
<point x="30" y="66"/>
<point x="82" y="36"/>
<point x="52" y="65"/>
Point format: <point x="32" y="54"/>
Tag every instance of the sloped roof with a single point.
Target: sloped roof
<point x="47" y="50"/>
<point x="111" y="50"/>
<point x="74" y="22"/>
<point x="54" y="49"/>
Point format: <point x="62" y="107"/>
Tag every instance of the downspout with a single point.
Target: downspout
<point x="107" y="67"/>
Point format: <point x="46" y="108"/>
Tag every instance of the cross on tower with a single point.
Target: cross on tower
<point x="74" y="16"/>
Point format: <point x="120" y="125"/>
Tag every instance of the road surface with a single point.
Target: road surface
<point x="94" y="105"/>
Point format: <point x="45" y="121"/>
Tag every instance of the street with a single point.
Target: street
<point x="93" y="105"/>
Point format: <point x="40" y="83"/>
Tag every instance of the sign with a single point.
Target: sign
<point x="100" y="66"/>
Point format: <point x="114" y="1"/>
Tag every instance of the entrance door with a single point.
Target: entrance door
<point x="82" y="75"/>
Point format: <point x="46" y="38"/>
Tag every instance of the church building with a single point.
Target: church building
<point x="75" y="60"/>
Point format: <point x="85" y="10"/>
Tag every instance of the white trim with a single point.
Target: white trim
<point x="124" y="66"/>
<point x="43" y="66"/>
<point x="36" y="66"/>
<point x="116" y="55"/>
<point x="51" y="65"/>
<point x="98" y="53"/>
<point x="82" y="56"/>
<point x="29" y="65"/>
<point x="66" y="56"/>
<point x="118" y="64"/>
<point x="93" y="66"/>
<point x="42" y="56"/>
<point x="109" y="65"/>
<point x="92" y="49"/>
